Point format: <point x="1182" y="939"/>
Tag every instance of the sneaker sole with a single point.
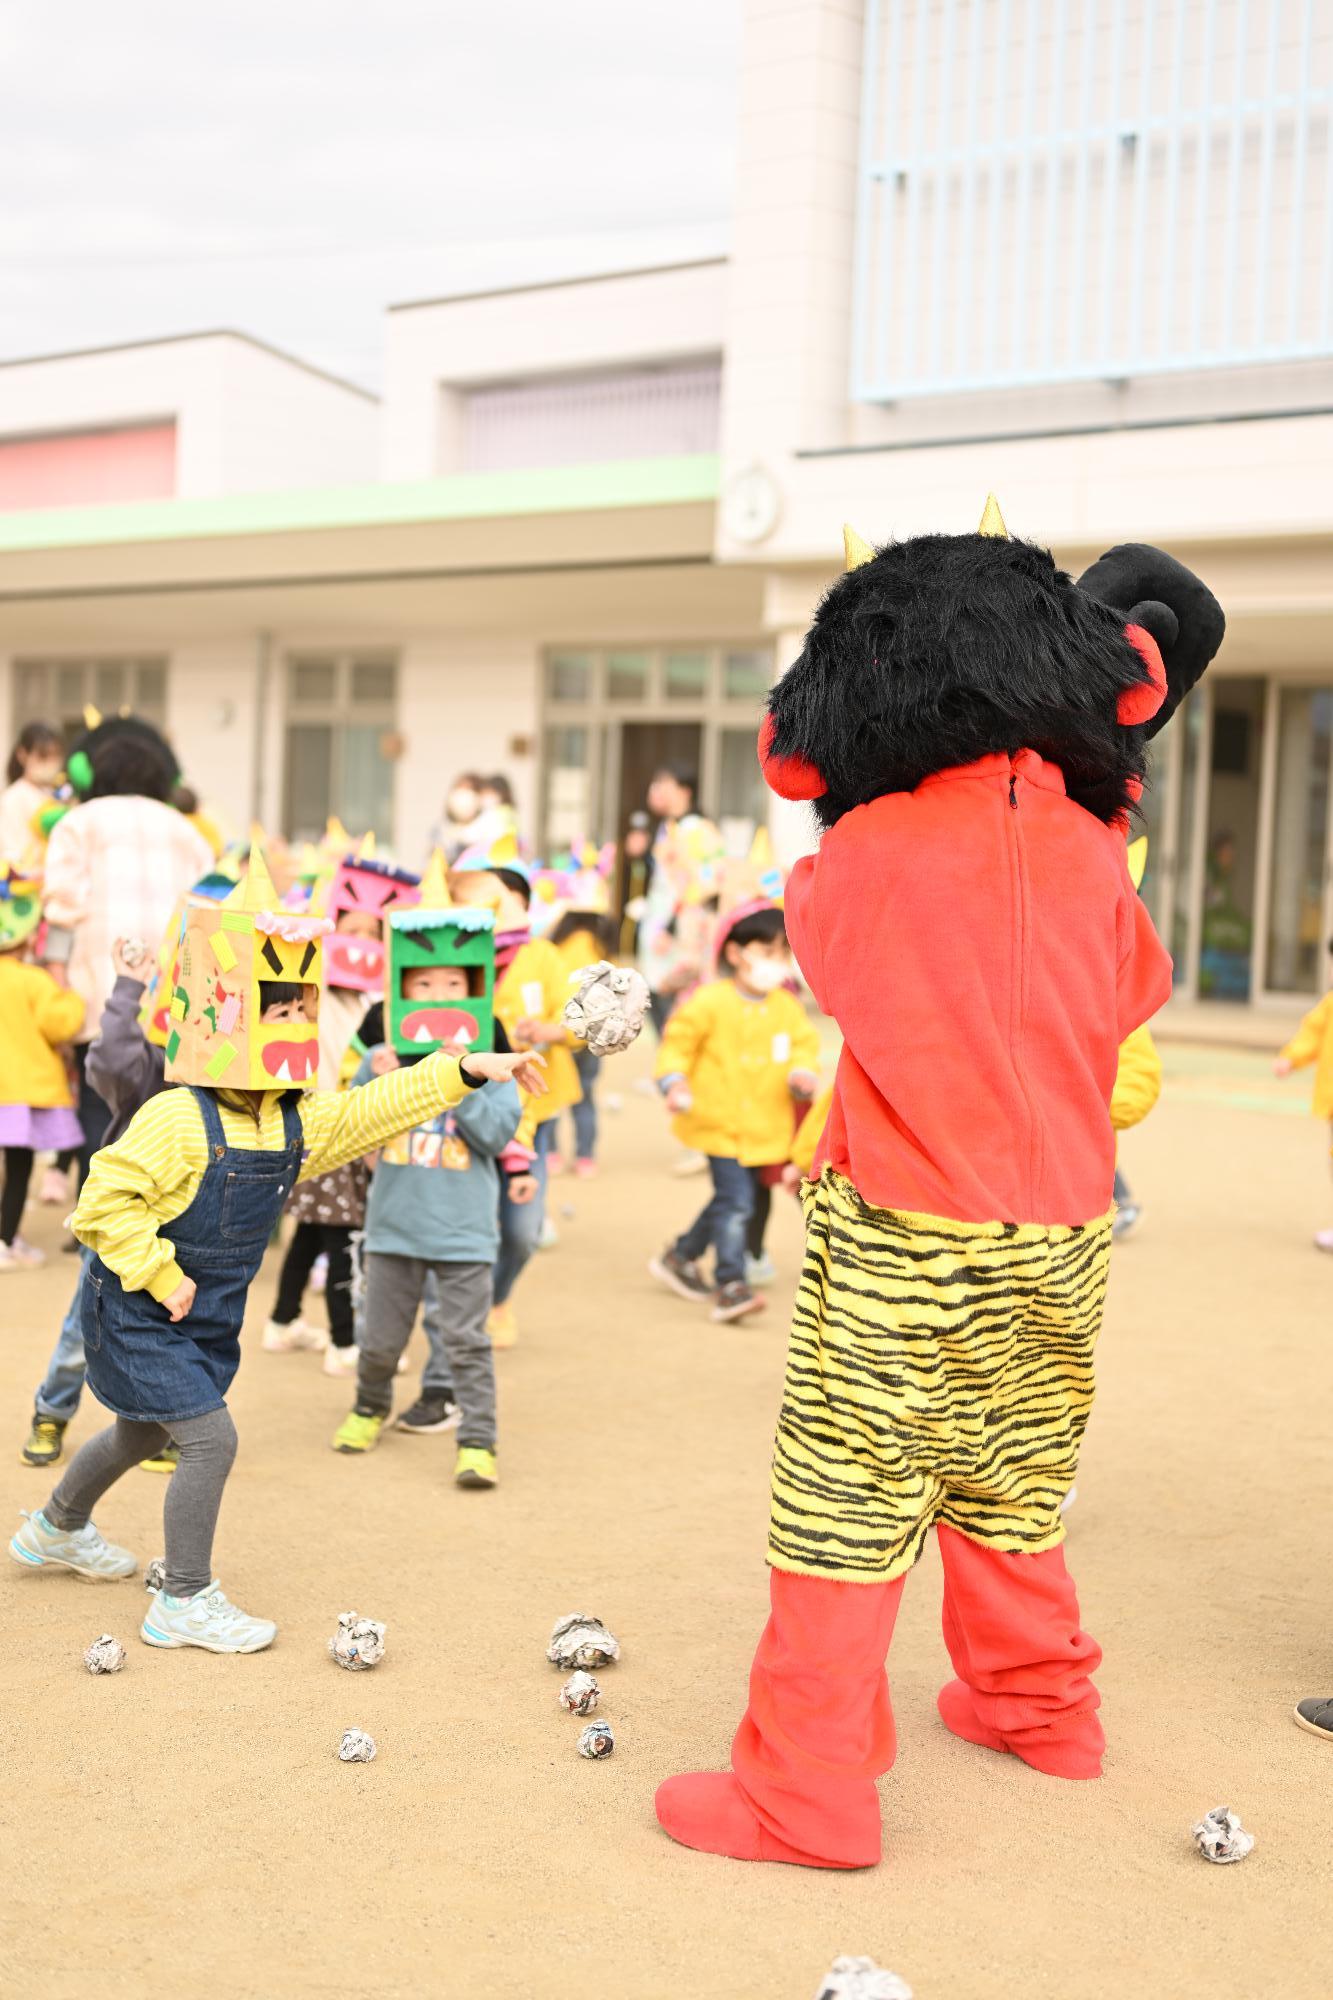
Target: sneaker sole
<point x="475" y="1479"/>
<point x="167" y="1642"/>
<point x="1311" y="1728"/>
<point x="425" y="1430"/>
<point x="27" y="1560"/>
<point x="657" y="1269"/>
<point x="354" y="1450"/>
<point x="725" y="1316"/>
<point x="30" y="1458"/>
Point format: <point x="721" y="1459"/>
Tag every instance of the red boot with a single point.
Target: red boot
<point x="818" y="1732"/>
<point x="1011" y="1626"/>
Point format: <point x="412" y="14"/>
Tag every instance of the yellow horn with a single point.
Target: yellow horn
<point x="92" y="717"/>
<point x="855" y="550"/>
<point x="992" y="520"/>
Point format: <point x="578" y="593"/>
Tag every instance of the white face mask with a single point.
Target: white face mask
<point x="765" y="974"/>
<point x="462" y="805"/>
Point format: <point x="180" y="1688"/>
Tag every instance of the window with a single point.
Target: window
<point x="569" y="677"/>
<point x="340" y="743"/>
<point x="58" y="691"/>
<point x="626" y="676"/>
<point x="686" y="676"/>
<point x="585" y="418"/>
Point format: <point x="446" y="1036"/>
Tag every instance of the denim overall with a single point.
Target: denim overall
<point x="141" y="1363"/>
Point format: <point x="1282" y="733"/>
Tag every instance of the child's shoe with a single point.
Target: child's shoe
<point x="475" y="1467"/>
<point x="285" y="1337"/>
<point x="21" y="1256"/>
<point x="585" y="1170"/>
<point x="165" y="1460"/>
<point x="1315" y="1713"/>
<point x="46" y="1441"/>
<point x="1126" y="1219"/>
<point x="428" y="1415"/>
<point x="1323" y="1239"/>
<point x="736" y="1301"/>
<point x="207" y="1619"/>
<point x="555" y="1163"/>
<point x="37" y="1545"/>
<point x="55" y="1188"/>
<point x="340" y="1360"/>
<point x="549" y="1235"/>
<point x="502" y="1326"/>
<point x="760" y="1270"/>
<point x="360" y="1430"/>
<point x="680" y="1275"/>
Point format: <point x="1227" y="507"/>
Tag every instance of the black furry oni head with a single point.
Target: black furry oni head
<point x="946" y="648"/>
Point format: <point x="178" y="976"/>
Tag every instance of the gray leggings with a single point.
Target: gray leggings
<point x="190" y="1512"/>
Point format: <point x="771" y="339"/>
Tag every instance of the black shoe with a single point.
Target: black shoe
<point x="1315" y="1713"/>
<point x="680" y="1275"/>
<point x="428" y="1415"/>
<point x="737" y="1301"/>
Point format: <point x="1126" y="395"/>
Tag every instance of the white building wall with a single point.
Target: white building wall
<point x="447" y="345"/>
<point x="211" y="724"/>
<point x="285" y="425"/>
<point x="463" y="700"/>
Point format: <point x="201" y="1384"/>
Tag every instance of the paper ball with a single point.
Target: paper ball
<point x="105" y="1656"/>
<point x="580" y="1694"/>
<point x="597" y="1740"/>
<point x="356" y="1747"/>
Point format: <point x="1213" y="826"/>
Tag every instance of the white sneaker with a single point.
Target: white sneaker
<point x="760" y="1270"/>
<point x="209" y="1620"/>
<point x="280" y="1338"/>
<point x="689" y="1163"/>
<point x="37" y="1545"/>
<point x="1069" y="1500"/>
<point x="21" y="1256"/>
<point x="340" y="1360"/>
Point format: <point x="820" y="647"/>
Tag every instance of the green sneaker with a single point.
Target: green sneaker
<point x="46" y="1441"/>
<point x="360" y="1431"/>
<point x="165" y="1460"/>
<point x="475" y="1467"/>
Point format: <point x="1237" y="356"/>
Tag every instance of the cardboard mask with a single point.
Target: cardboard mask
<point x="369" y="887"/>
<point x="154" y="1018"/>
<point x="227" y="952"/>
<point x="20" y="908"/>
<point x="438" y="932"/>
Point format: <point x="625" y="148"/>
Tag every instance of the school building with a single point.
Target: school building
<point x="1083" y="257"/>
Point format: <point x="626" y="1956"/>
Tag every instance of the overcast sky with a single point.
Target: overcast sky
<point x="291" y="167"/>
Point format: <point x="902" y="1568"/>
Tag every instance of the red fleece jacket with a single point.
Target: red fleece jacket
<point x="982" y="948"/>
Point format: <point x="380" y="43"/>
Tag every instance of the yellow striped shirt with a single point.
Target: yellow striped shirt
<point x="153" y="1173"/>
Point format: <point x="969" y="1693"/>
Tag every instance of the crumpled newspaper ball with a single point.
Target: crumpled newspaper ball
<point x="597" y="1740"/>
<point x="155" y="1576"/>
<point x="580" y="1694"/>
<point x="105" y="1656"/>
<point x="581" y="1640"/>
<point x="607" y="1010"/>
<point x="1219" y="1836"/>
<point x="862" y="1979"/>
<point x="358" y="1642"/>
<point x="356" y="1747"/>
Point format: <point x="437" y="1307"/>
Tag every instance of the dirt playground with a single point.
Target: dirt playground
<point x="186" y="1827"/>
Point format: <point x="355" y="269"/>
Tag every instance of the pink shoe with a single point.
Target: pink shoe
<point x="586" y="1170"/>
<point x="555" y="1165"/>
<point x="1324" y="1239"/>
<point x="55" y="1188"/>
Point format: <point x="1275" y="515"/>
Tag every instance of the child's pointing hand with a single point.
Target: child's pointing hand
<point x="526" y="1070"/>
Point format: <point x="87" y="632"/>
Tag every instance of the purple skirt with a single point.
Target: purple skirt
<point x="46" y="1131"/>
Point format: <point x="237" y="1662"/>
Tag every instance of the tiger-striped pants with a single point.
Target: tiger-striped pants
<point x="937" y="1371"/>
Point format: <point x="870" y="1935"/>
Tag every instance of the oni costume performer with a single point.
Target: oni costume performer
<point x="971" y="726"/>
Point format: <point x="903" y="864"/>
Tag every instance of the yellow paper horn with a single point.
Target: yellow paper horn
<point x="855" y="550"/>
<point x="1136" y="854"/>
<point x="992" y="520"/>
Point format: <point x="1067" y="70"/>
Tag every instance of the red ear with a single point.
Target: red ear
<point x="789" y="777"/>
<point x="1139" y="704"/>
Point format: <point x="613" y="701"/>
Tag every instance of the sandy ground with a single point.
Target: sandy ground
<point x="187" y="1826"/>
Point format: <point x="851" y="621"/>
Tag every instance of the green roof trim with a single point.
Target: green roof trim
<point x="564" y="489"/>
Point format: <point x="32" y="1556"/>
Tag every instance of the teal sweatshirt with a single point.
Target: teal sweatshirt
<point x="436" y="1191"/>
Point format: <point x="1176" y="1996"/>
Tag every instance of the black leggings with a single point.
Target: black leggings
<point x="18" y="1172"/>
<point x="308" y="1240"/>
<point x="756" y="1227"/>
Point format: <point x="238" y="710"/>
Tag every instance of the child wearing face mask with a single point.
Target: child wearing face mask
<point x="733" y="1058"/>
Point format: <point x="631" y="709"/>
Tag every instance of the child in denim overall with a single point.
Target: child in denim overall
<point x="179" y="1214"/>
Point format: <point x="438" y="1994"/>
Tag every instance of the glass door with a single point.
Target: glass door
<point x="1298" y="829"/>
<point x="1174" y="819"/>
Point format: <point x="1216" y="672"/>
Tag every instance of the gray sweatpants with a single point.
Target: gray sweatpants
<point x="393" y="1293"/>
<point x="193" y="1497"/>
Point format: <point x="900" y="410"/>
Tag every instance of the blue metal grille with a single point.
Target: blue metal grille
<point x="1067" y="190"/>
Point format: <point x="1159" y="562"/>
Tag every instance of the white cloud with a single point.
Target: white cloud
<point x="290" y="168"/>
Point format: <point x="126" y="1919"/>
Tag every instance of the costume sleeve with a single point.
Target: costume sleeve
<point x="1138" y="1080"/>
<point x="1143" y="977"/>
<point x="801" y="915"/>
<point x="1308" y="1039"/>
<point x="59" y="1012"/>
<point x="341" y="1125"/>
<point x="66" y="882"/>
<point x="685" y="1030"/>
<point x="121" y="1059"/>
<point x="488" y="1118"/>
<point x="162" y="1153"/>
